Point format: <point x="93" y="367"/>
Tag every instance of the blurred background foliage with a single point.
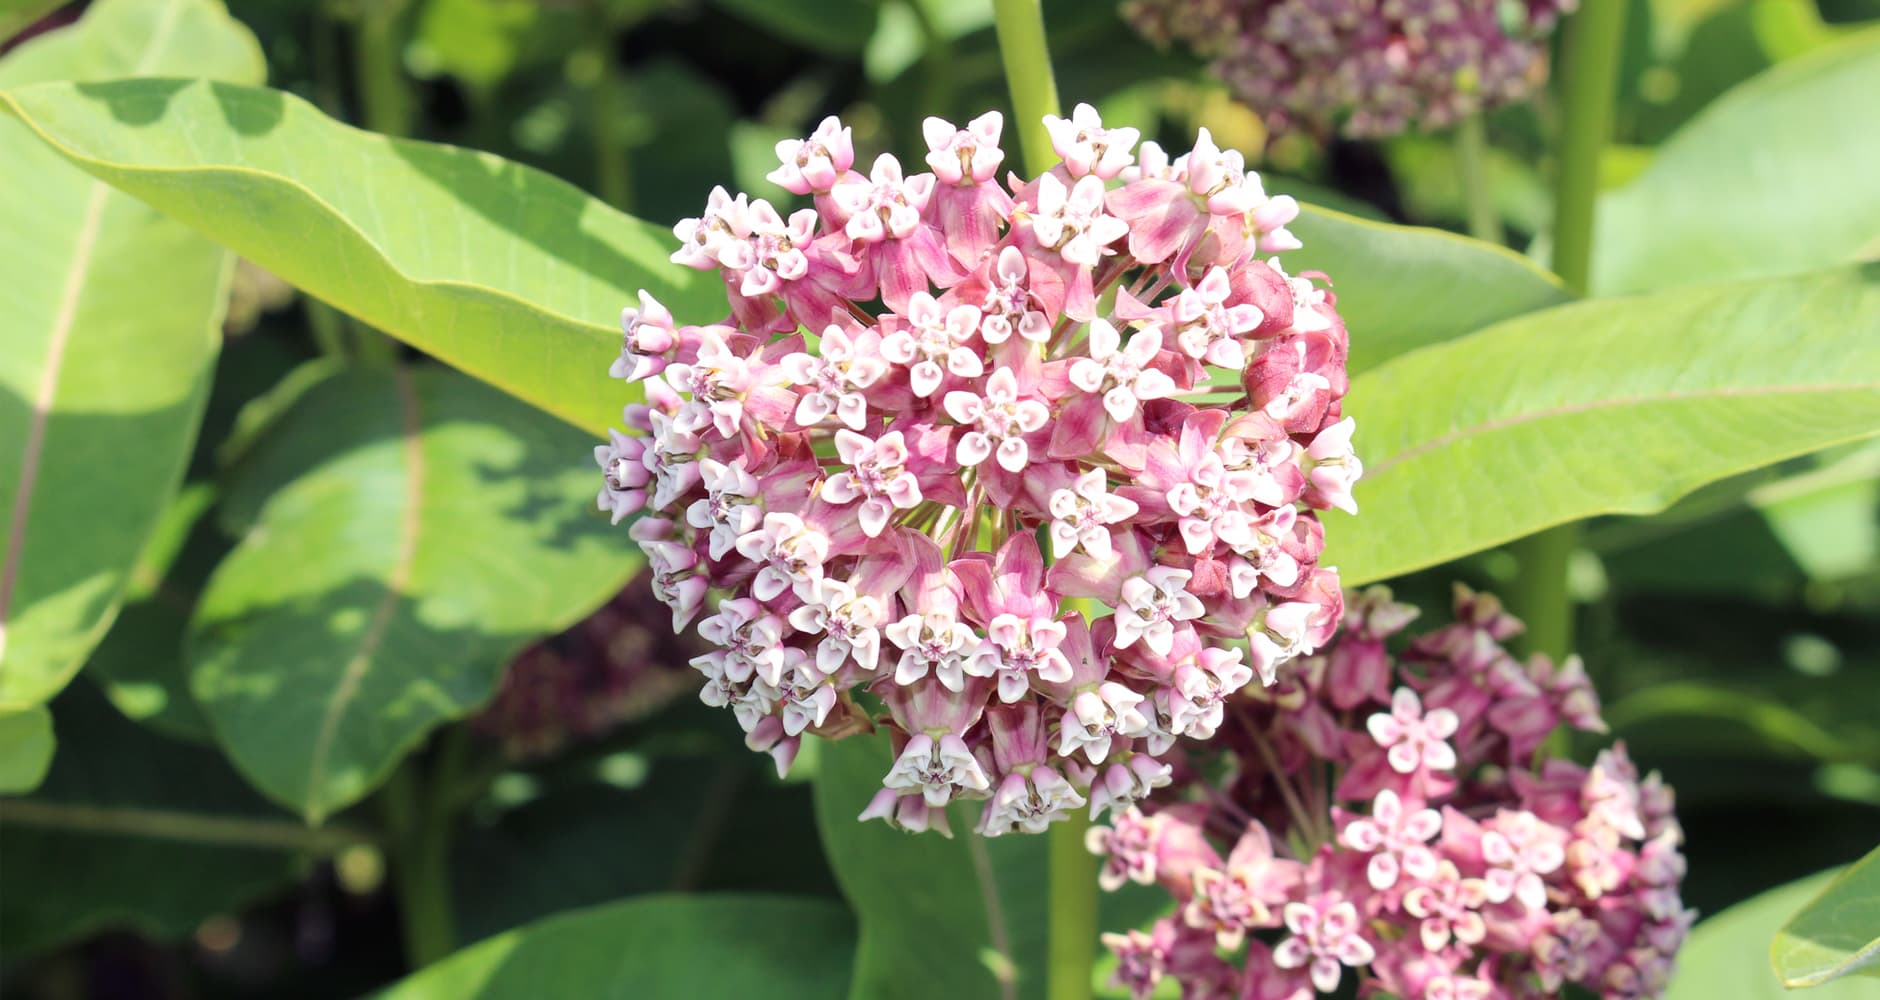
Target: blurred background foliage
<point x="1736" y="637"/>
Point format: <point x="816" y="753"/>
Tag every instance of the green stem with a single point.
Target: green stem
<point x="1073" y="931"/>
<point x="1020" y="25"/>
<point x="1589" y="68"/>
<point x="1478" y="191"/>
<point x="384" y="96"/>
<point x="186" y="827"/>
<point x="419" y="810"/>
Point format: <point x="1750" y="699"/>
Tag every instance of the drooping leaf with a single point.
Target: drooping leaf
<point x="131" y="829"/>
<point x="958" y="917"/>
<point x="403" y="533"/>
<point x="1602" y="407"/>
<point x="26" y="745"/>
<point x="1837" y="934"/>
<point x="1774" y="178"/>
<point x="503" y="271"/>
<point x="653" y="948"/>
<point x="1404" y="287"/>
<point x="112" y="318"/>
<point x="1727" y="955"/>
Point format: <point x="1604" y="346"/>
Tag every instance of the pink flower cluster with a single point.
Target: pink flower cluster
<point x="612" y="667"/>
<point x="1372" y="67"/>
<point x="1388" y="822"/>
<point x="1035" y="462"/>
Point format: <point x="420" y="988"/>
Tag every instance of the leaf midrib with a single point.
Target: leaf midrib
<point x="396" y="582"/>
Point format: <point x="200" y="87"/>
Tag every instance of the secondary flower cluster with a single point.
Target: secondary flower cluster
<point x="612" y="667"/>
<point x="1037" y="463"/>
<point x="1387" y="821"/>
<point x="1376" y="66"/>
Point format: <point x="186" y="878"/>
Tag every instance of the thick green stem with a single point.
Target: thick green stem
<point x="1020" y="26"/>
<point x="1589" y="69"/>
<point x="420" y="808"/>
<point x="385" y="102"/>
<point x="1073" y="932"/>
<point x="1073" y="936"/>
<point x="1472" y="171"/>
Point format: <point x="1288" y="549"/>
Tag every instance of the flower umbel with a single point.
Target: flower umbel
<point x="943" y="408"/>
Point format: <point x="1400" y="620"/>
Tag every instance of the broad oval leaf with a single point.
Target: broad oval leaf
<point x="1614" y="406"/>
<point x="1774" y="178"/>
<point x="404" y="532"/>
<point x="113" y="316"/>
<point x="26" y="744"/>
<point x="132" y="830"/>
<point x="1727" y="955"/>
<point x="656" y="947"/>
<point x="499" y="269"/>
<point x="1404" y="287"/>
<point x="1837" y="933"/>
<point x="942" y="918"/>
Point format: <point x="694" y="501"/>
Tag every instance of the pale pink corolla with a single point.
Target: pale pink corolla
<point x="1213" y="504"/>
<point x="848" y="623"/>
<point x="1202" y="688"/>
<point x="1017" y="650"/>
<point x="885" y="206"/>
<point x="1122" y="784"/>
<point x="1209" y="330"/>
<point x="703" y="241"/>
<point x="936" y="770"/>
<point x="646" y="335"/>
<point x="1007" y="307"/>
<point x="1086" y="147"/>
<point x="1154" y="604"/>
<point x="1397" y="838"/>
<point x="934" y="343"/>
<point x="969" y="155"/>
<point x="1325" y="938"/>
<point x="877" y="475"/>
<point x="933" y="641"/>
<point x="813" y="165"/>
<point x="729" y="509"/>
<point x="717" y="382"/>
<point x="623" y="473"/>
<point x="773" y="252"/>
<point x="1127" y="846"/>
<point x="1122" y="375"/>
<point x="1028" y="801"/>
<point x="1098" y="718"/>
<point x="790" y="555"/>
<point x="1520" y="849"/>
<point x="750" y="640"/>
<point x="1073" y="222"/>
<point x="1082" y="513"/>
<point x="1278" y="634"/>
<point x="997" y="422"/>
<point x="837" y="376"/>
<point x="1412" y="738"/>
<point x="1335" y="467"/>
<point x="1449" y="905"/>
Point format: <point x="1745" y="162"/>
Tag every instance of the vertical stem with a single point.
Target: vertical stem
<point x="1589" y="66"/>
<point x="384" y="98"/>
<point x="1478" y="189"/>
<point x="1020" y="25"/>
<point x="1073" y="931"/>
<point x="419" y="810"/>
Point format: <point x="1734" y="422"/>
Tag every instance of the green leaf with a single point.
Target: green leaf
<point x="25" y="748"/>
<point x="134" y="830"/>
<point x="1727" y="955"/>
<point x="1774" y="178"/>
<point x="501" y="270"/>
<point x="656" y="947"/>
<point x="1403" y="287"/>
<point x="113" y="321"/>
<point x="1837" y="933"/>
<point x="941" y="918"/>
<point x="835" y="27"/>
<point x="18" y="15"/>
<point x="1603" y="407"/>
<point x="404" y="533"/>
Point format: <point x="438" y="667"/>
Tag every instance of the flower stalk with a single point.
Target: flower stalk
<point x="1589" y="69"/>
<point x="1020" y="25"/>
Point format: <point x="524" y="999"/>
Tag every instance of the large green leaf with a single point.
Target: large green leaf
<point x="134" y="830"/>
<point x="1727" y="955"/>
<point x="25" y="748"/>
<point x="656" y="948"/>
<point x="837" y="27"/>
<point x="404" y="532"/>
<point x="1603" y="407"/>
<point x="1837" y="933"/>
<point x="941" y="918"/>
<point x="1775" y="177"/>
<point x="501" y="270"/>
<point x="1403" y="287"/>
<point x="113" y="316"/>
